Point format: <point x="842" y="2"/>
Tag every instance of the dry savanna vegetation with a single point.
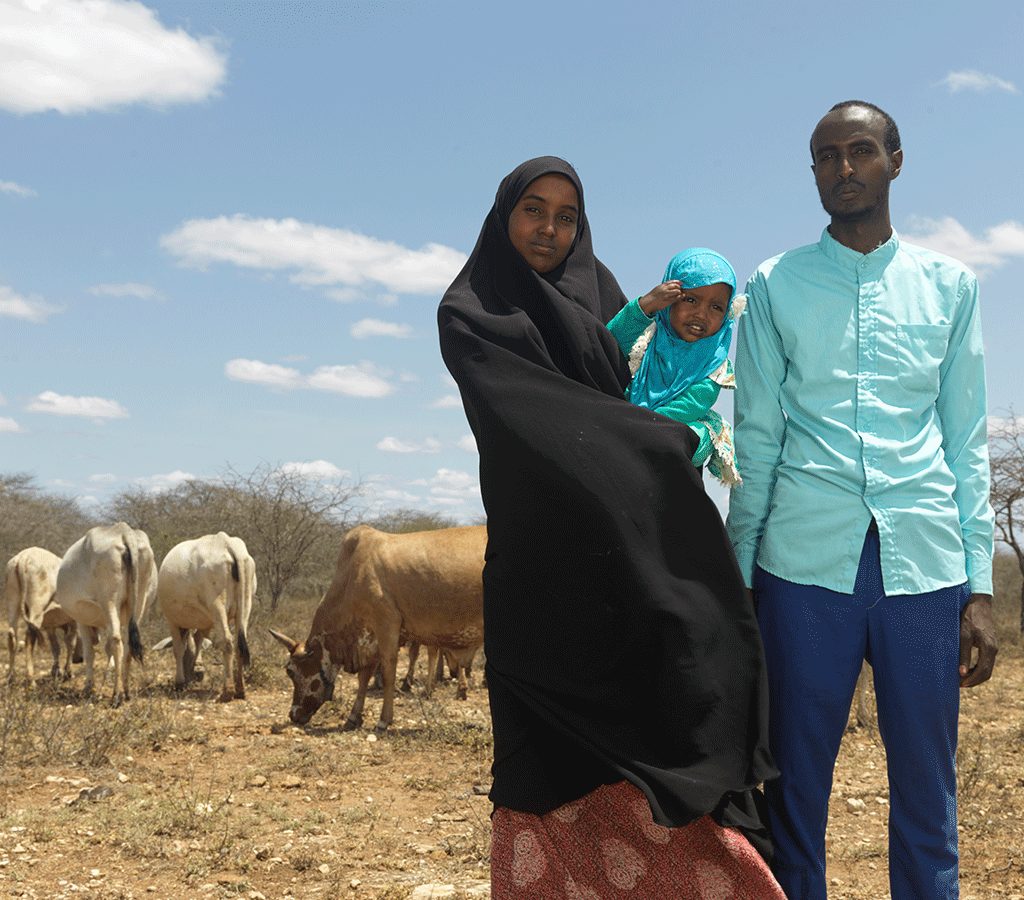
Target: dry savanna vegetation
<point x="175" y="795"/>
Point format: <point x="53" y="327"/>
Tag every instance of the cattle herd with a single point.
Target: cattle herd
<point x="421" y="588"/>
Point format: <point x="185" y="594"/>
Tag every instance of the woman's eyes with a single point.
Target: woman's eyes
<point x="569" y="220"/>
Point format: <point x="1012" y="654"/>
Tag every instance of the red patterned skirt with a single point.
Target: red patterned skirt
<point x="607" y="845"/>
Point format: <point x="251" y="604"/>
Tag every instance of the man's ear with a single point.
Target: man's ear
<point x="896" y="164"/>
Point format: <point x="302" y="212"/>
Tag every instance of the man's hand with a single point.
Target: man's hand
<point x="977" y="629"/>
<point x="657" y="298"/>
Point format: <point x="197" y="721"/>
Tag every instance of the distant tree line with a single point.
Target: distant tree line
<point x="291" y="524"/>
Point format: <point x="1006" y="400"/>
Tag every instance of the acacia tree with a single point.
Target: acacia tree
<point x="291" y="524"/>
<point x="1006" y="454"/>
<point x="30" y="517"/>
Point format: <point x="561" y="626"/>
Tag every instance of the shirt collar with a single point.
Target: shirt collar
<point x="849" y="259"/>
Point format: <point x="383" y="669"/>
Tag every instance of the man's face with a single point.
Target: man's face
<point x="851" y="166"/>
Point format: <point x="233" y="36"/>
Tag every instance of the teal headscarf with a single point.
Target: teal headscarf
<point x="670" y="364"/>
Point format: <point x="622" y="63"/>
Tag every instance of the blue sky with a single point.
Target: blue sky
<point x="225" y="226"/>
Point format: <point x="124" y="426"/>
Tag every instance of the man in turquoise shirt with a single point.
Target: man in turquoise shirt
<point x="863" y="524"/>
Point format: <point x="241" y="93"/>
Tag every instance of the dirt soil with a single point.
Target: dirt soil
<point x="183" y="797"/>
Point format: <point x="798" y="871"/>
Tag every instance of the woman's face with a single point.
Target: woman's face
<point x="542" y="225"/>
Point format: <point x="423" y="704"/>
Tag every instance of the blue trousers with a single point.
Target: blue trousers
<point x="815" y="640"/>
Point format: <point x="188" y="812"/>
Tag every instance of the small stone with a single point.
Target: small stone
<point x="257" y="781"/>
<point x="354" y="883"/>
<point x="121" y="777"/>
<point x="433" y="892"/>
<point x="837" y="881"/>
<point x="291" y="781"/>
<point x="324" y="869"/>
<point x="855" y="804"/>
<point x="94" y="873"/>
<point x="371" y="738"/>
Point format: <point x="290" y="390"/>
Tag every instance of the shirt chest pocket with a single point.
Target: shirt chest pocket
<point x="920" y="350"/>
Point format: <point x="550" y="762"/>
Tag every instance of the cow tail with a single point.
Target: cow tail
<point x="134" y="640"/>
<point x="131" y="559"/>
<point x="242" y="578"/>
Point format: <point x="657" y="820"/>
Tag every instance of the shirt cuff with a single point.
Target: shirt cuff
<point x="979" y="573"/>
<point x="746" y="556"/>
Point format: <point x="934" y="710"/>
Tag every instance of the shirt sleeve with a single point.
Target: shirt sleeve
<point x="963" y="411"/>
<point x="628" y="324"/>
<point x="689" y="408"/>
<point x="760" y="428"/>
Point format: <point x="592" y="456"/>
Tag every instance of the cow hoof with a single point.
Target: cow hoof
<point x="226" y="697"/>
<point x="352" y="724"/>
<point x="406" y="686"/>
<point x="381" y="727"/>
<point x="461" y="695"/>
<point x="117" y="701"/>
<point x="239" y="695"/>
<point x="179" y="687"/>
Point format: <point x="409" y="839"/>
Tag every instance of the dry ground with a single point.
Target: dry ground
<point x="183" y="797"/>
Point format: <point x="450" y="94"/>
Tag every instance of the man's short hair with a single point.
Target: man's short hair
<point x="890" y="134"/>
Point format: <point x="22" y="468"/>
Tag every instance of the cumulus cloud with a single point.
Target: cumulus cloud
<point x="366" y="328"/>
<point x="269" y="374"/>
<point x="12" y="187"/>
<point x="997" y="246"/>
<point x="448" y="401"/>
<point x="362" y="380"/>
<point x="316" y="470"/>
<point x="315" y="254"/>
<point x="28" y="309"/>
<point x="73" y="57"/>
<point x="9" y="426"/>
<point x="102" y="478"/>
<point x="85" y="407"/>
<point x="972" y="80"/>
<point x="468" y="443"/>
<point x="165" y="481"/>
<point x="394" y="445"/>
<point x="125" y="289"/>
<point x="451" y="486"/>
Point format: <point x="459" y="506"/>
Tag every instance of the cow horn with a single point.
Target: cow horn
<point x="284" y="639"/>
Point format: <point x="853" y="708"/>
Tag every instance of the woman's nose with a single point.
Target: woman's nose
<point x="548" y="226"/>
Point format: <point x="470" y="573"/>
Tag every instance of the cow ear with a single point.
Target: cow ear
<point x="285" y="640"/>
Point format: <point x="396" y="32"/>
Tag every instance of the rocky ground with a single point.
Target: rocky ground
<point x="183" y="797"/>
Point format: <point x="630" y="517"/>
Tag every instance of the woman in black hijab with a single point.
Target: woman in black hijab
<point x="623" y="661"/>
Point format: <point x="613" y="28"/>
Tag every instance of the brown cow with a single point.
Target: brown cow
<point x="424" y="586"/>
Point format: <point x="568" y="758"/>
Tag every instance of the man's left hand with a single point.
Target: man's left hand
<point x="977" y="629"/>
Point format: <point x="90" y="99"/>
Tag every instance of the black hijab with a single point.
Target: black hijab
<point x="618" y="638"/>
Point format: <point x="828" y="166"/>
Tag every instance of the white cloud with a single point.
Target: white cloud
<point x="452" y="484"/>
<point x="366" y="328"/>
<point x="468" y="443"/>
<point x="29" y="309"/>
<point x="355" y="381"/>
<point x="997" y="246"/>
<point x="972" y="80"/>
<point x="164" y="481"/>
<point x="86" y="407"/>
<point x="72" y="57"/>
<point x="9" y="426"/>
<point x="125" y="289"/>
<point x="12" y="187"/>
<point x="448" y="401"/>
<point x="362" y="380"/>
<point x="394" y="445"/>
<point x="3" y="400"/>
<point x="256" y="372"/>
<point x="316" y="470"/>
<point x="315" y="254"/>
<point x="102" y="478"/>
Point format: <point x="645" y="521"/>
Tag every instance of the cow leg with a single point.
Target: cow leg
<point x="239" y="675"/>
<point x="51" y="634"/>
<point x="462" y="692"/>
<point x="433" y="654"/>
<point x="88" y="636"/>
<point x="12" y="648"/>
<point x="388" y="664"/>
<point x="117" y="650"/>
<point x="31" y="636"/>
<point x="179" y="644"/>
<point x="414" y="653"/>
<point x="355" y="717"/>
<point x="70" y="645"/>
<point x="223" y="641"/>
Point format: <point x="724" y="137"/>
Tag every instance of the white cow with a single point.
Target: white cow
<point x="208" y="585"/>
<point x="105" y="581"/>
<point x="28" y="590"/>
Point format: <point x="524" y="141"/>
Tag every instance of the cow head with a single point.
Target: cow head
<point x="311" y="675"/>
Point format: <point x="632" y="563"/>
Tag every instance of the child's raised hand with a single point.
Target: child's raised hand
<point x="665" y="294"/>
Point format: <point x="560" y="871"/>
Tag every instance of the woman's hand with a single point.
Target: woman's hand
<point x="665" y="294"/>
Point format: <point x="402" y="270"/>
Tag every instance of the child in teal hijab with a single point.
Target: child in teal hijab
<point x="676" y="338"/>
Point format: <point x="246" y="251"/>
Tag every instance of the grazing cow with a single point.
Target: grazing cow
<point x="105" y="581"/>
<point x="28" y="589"/>
<point x="207" y="585"/>
<point x="424" y="586"/>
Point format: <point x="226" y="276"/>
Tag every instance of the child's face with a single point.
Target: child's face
<point x="700" y="312"/>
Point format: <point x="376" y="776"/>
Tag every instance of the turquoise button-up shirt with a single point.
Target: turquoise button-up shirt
<point x="860" y="393"/>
